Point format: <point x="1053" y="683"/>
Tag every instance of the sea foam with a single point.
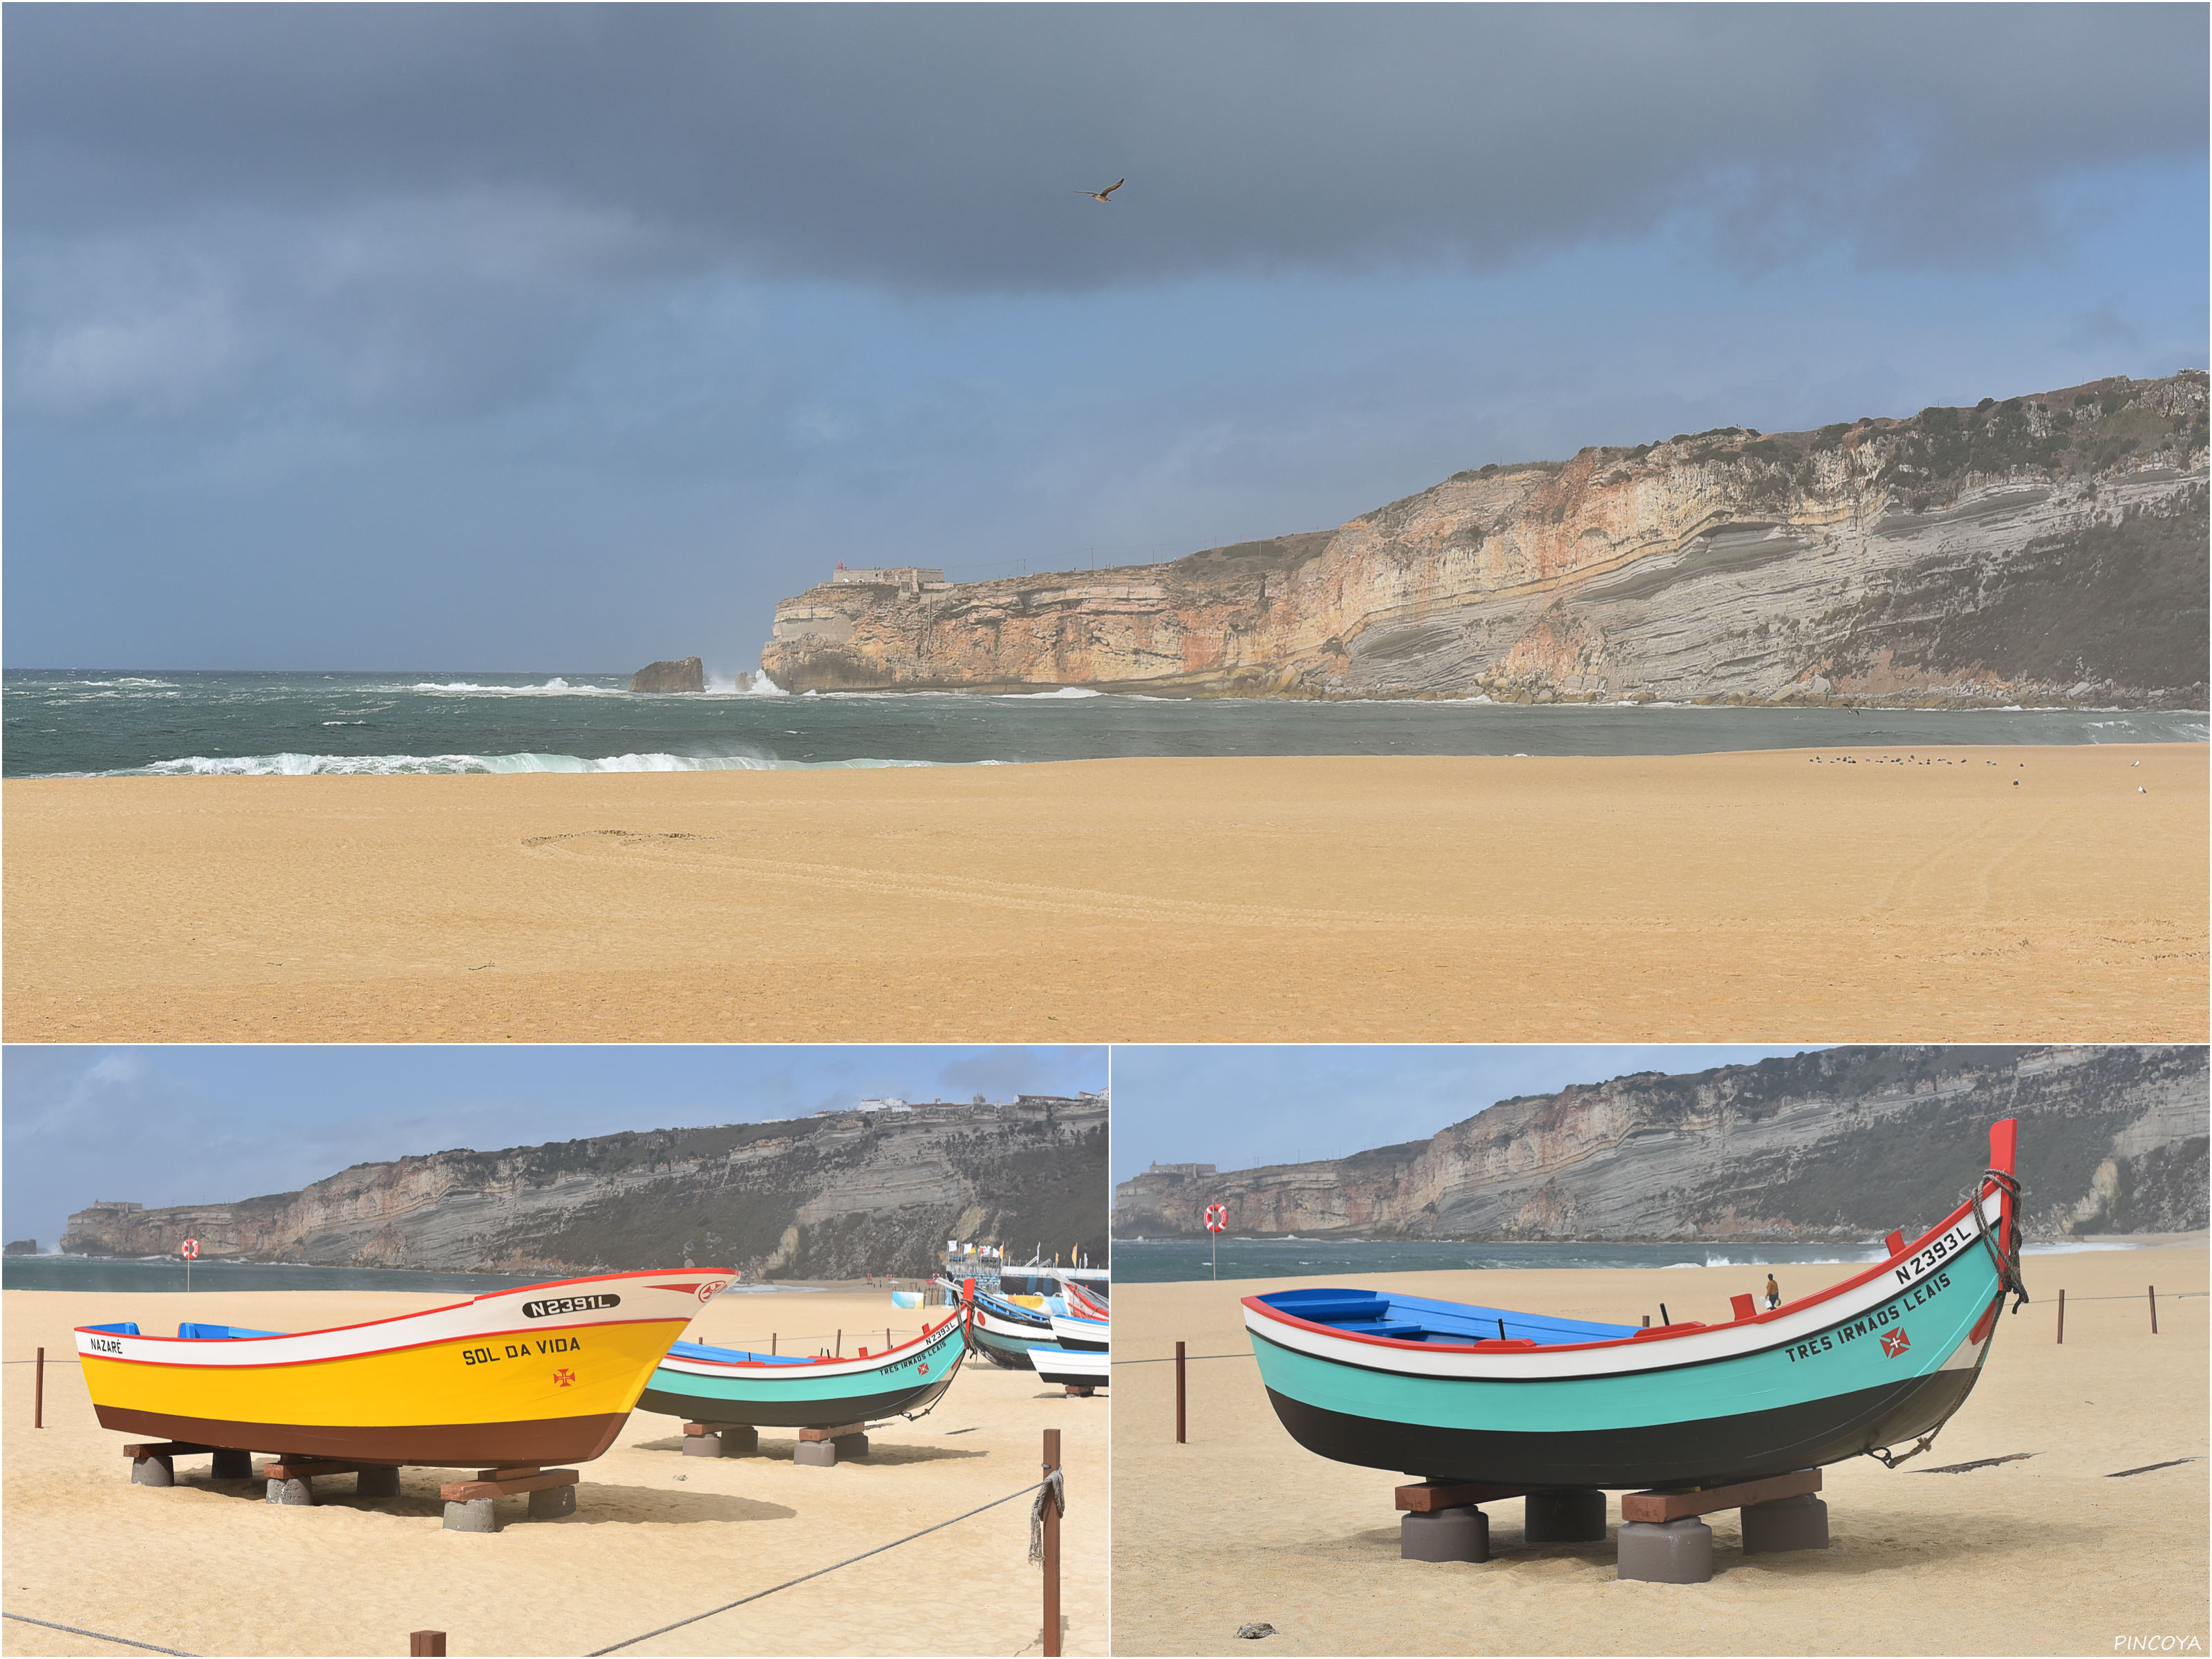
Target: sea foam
<point x="305" y="766"/>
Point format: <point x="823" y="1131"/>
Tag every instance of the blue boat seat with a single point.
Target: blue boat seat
<point x="1419" y="1319"/>
<point x="219" y="1332"/>
<point x="728" y="1356"/>
<point x="127" y="1328"/>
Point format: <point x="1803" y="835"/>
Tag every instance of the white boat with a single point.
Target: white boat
<point x="1077" y="1368"/>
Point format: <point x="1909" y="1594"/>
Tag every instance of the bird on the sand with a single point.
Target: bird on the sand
<point x="1101" y="195"/>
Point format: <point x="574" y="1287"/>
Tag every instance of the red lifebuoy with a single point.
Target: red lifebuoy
<point x="1217" y="1218"/>
<point x="191" y="1249"/>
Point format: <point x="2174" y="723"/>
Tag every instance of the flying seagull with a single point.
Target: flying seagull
<point x="1101" y="195"/>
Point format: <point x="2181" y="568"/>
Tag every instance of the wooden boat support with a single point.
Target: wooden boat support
<point x="290" y="1481"/>
<point x="1662" y="1539"/>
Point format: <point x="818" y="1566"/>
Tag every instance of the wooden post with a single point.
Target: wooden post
<point x="771" y="1345"/>
<point x="426" y="1645"/>
<point x="1051" y="1551"/>
<point x="841" y="1344"/>
<point x="2154" y="1310"/>
<point x="38" y="1392"/>
<point x="2062" y="1319"/>
<point x="1179" y="1394"/>
<point x="887" y="1339"/>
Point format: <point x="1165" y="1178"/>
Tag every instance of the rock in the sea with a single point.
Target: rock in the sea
<point x="23" y="1247"/>
<point x="685" y="674"/>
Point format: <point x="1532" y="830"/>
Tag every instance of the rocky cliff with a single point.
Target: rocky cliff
<point x="816" y="1198"/>
<point x="1839" y="1143"/>
<point x="2046" y="550"/>
<point x="678" y="674"/>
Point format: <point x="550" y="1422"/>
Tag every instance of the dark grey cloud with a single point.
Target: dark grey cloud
<point x="941" y="147"/>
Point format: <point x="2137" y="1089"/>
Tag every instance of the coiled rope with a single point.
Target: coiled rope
<point x="1052" y="1489"/>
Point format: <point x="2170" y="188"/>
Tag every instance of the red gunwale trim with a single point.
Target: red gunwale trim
<point x="1643" y="1337"/>
<point x="359" y="1353"/>
<point x="933" y="1335"/>
<point x="447" y="1307"/>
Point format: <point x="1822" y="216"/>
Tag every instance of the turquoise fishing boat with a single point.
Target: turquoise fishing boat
<point x="703" y="1384"/>
<point x="1446" y="1390"/>
<point x="1004" y="1332"/>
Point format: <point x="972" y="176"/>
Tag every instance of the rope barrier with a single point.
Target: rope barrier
<point x="1169" y="1359"/>
<point x="120" y="1641"/>
<point x="617" y="1647"/>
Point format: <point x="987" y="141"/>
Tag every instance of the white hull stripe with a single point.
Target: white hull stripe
<point x="568" y="1305"/>
<point x="795" y="1366"/>
<point x="1628" y="1356"/>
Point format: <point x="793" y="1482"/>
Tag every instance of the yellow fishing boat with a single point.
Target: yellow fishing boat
<point x="544" y="1374"/>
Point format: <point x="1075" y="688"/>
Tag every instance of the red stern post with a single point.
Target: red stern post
<point x="2004" y="1152"/>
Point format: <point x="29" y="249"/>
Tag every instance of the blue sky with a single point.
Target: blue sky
<point x="1240" y="1107"/>
<point x="568" y="337"/>
<point x="190" y="1125"/>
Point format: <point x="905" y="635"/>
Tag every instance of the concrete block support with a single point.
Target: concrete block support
<point x="852" y="1446"/>
<point x="298" y="1492"/>
<point x="475" y="1514"/>
<point x="704" y="1445"/>
<point x="1666" y="1552"/>
<point x="1787" y="1523"/>
<point x="1565" y="1518"/>
<point x="1453" y="1535"/>
<point x="159" y="1470"/>
<point x="551" y="1503"/>
<point x="818" y="1454"/>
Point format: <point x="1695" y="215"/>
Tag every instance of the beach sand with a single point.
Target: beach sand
<point x="2016" y="894"/>
<point x="656" y="1535"/>
<point x="2044" y="1556"/>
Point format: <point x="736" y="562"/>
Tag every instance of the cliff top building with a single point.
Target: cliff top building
<point x="911" y="577"/>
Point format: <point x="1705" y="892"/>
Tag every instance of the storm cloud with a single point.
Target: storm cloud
<point x="728" y="292"/>
<point x="926" y="147"/>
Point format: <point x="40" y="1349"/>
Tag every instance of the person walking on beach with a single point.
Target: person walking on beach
<point x="1773" y="1293"/>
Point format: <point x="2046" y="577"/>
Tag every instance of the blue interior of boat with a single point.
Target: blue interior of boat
<point x="1416" y="1319"/>
<point x="220" y="1333"/>
<point x="728" y="1356"/>
<point x="128" y="1327"/>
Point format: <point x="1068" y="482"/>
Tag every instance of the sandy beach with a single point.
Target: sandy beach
<point x="657" y="1536"/>
<point x="2013" y="893"/>
<point x="2047" y="1555"/>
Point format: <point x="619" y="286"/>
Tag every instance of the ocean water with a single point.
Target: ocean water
<point x="82" y="722"/>
<point x="1163" y="1260"/>
<point x="107" y="1274"/>
<point x="102" y="1274"/>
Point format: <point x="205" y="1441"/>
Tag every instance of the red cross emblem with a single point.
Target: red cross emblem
<point x="925" y="1368"/>
<point x="1895" y="1344"/>
<point x="564" y="1377"/>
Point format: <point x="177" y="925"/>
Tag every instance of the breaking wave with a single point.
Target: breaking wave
<point x="307" y="766"/>
<point x="556" y="687"/>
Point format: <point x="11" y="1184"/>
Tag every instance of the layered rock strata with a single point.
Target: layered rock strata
<point x="1840" y="1143"/>
<point x="2048" y="550"/>
<point x="816" y="1198"/>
